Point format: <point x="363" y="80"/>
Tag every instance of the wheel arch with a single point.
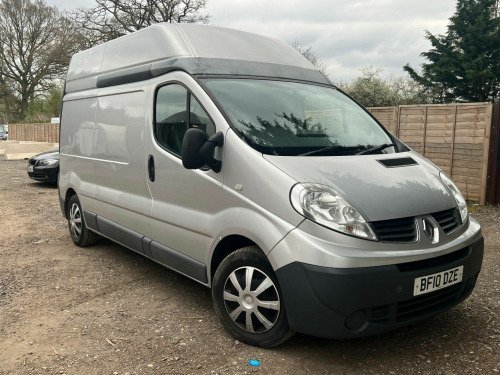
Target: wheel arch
<point x="264" y="322"/>
<point x="226" y="246"/>
<point x="69" y="193"/>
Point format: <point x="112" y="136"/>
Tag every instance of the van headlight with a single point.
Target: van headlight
<point x="325" y="206"/>
<point x="459" y="198"/>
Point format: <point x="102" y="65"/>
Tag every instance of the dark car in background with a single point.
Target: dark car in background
<point x="44" y="167"/>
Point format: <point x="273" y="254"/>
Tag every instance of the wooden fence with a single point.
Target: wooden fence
<point x="34" y="132"/>
<point x="455" y="137"/>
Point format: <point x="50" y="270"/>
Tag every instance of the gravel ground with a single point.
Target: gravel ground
<point x="107" y="310"/>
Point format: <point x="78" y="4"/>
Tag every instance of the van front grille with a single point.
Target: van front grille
<point x="405" y="229"/>
<point x="448" y="220"/>
<point x="396" y="230"/>
<point x="421" y="306"/>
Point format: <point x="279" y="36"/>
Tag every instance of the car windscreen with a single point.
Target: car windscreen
<point x="290" y="118"/>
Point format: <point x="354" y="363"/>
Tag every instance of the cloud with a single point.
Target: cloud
<point x="69" y="5"/>
<point x="345" y="35"/>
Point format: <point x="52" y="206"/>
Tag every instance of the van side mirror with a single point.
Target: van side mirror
<point x="198" y="150"/>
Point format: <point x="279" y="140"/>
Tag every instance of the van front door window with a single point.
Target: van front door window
<point x="172" y="117"/>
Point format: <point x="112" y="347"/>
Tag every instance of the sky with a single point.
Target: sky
<point x="345" y="34"/>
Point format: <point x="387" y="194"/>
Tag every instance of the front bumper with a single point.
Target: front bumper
<point x="46" y="174"/>
<point x="354" y="302"/>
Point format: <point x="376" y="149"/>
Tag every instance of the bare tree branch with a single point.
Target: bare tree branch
<point x="36" y="46"/>
<point x="110" y="19"/>
<point x="310" y="55"/>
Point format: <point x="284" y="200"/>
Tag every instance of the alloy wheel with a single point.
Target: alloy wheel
<point x="75" y="221"/>
<point x="251" y="299"/>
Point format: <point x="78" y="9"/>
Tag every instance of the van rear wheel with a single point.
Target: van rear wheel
<point x="248" y="300"/>
<point x="80" y="235"/>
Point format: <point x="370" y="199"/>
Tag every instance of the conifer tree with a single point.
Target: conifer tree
<point x="464" y="64"/>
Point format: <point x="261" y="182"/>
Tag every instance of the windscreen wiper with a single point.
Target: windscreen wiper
<point x="331" y="148"/>
<point x="376" y="149"/>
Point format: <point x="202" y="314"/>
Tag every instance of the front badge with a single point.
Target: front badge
<point x="430" y="230"/>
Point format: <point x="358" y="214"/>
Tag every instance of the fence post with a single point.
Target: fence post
<point x="493" y="185"/>
<point x="486" y="147"/>
<point x="453" y="140"/>
<point x="398" y="125"/>
<point x="395" y="120"/>
<point x="425" y="131"/>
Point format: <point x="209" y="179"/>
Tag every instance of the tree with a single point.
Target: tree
<point x="35" y="48"/>
<point x="43" y="108"/>
<point x="373" y="91"/>
<point x="370" y="90"/>
<point x="464" y="64"/>
<point x="407" y="91"/>
<point x="110" y="19"/>
<point x="6" y="102"/>
<point x="311" y="56"/>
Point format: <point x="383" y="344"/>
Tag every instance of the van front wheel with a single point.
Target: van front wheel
<point x="80" y="235"/>
<point x="248" y="300"/>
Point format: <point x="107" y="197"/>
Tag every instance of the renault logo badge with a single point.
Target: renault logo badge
<point x="430" y="230"/>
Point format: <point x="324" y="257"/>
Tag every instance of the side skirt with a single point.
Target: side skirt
<point x="145" y="246"/>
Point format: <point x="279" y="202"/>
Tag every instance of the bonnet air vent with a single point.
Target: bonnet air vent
<point x="399" y="162"/>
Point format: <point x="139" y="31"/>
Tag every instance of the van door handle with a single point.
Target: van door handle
<point x="151" y="168"/>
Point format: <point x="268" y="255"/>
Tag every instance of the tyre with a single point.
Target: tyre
<point x="80" y="235"/>
<point x="248" y="300"/>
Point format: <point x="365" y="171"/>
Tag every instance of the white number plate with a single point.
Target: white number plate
<point x="30" y="168"/>
<point x="440" y="280"/>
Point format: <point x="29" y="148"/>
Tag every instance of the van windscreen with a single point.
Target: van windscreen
<point x="290" y="118"/>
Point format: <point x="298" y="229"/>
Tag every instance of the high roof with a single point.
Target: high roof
<point x="197" y="49"/>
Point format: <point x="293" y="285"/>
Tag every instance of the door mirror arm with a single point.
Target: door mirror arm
<point x="207" y="151"/>
<point x="198" y="150"/>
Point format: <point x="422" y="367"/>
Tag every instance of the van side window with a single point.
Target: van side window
<point x="172" y="117"/>
<point x="199" y="119"/>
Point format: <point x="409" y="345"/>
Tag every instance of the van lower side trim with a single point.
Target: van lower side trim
<point x="141" y="244"/>
<point x="179" y="262"/>
<point x="120" y="234"/>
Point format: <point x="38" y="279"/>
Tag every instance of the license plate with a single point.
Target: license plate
<point x="440" y="280"/>
<point x="30" y="168"/>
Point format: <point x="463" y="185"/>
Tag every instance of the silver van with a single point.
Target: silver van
<point x="229" y="158"/>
